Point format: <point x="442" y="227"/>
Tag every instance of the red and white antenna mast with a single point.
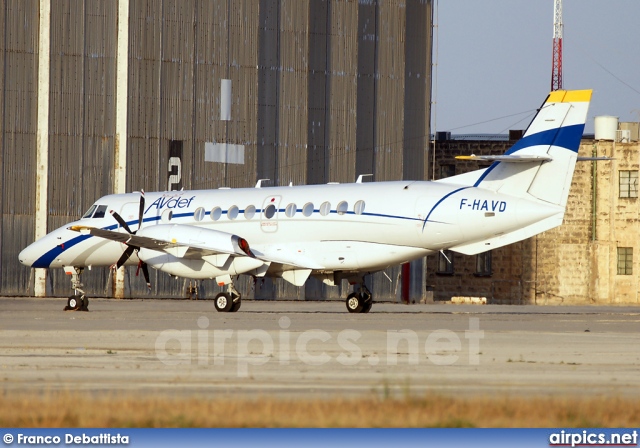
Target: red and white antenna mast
<point x="556" y="71"/>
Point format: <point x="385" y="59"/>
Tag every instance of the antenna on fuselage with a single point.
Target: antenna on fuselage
<point x="259" y="183"/>
<point x="359" y="181"/>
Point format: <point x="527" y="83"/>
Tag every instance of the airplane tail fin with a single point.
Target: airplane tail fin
<point x="541" y="164"/>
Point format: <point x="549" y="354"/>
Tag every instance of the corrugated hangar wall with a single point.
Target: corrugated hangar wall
<point x="18" y="100"/>
<point x="321" y="91"/>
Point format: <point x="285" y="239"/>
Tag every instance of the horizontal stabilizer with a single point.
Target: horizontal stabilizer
<point x="507" y="158"/>
<point x="593" y="159"/>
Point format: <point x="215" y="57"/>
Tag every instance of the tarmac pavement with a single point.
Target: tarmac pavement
<point x="317" y="349"/>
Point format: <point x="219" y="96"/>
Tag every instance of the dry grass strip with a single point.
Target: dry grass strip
<point x="69" y="409"/>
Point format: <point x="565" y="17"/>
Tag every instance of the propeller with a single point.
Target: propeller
<point x="130" y="247"/>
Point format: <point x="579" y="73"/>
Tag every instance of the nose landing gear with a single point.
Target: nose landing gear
<point x="76" y="302"/>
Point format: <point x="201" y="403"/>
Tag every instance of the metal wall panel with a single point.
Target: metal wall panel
<point x="144" y="109"/>
<point x="417" y="92"/>
<point x="3" y="174"/>
<point x="293" y="105"/>
<point x="342" y="103"/>
<point x="390" y="91"/>
<point x="318" y="91"/>
<point x="176" y="88"/>
<point x="18" y="118"/>
<point x="242" y="65"/>
<point x="268" y="89"/>
<point x="366" y="100"/>
<point x="212" y="49"/>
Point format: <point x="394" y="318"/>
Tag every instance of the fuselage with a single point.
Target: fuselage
<point x="359" y="227"/>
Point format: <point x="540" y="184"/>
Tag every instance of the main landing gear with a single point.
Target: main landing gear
<point x="360" y="301"/>
<point x="76" y="302"/>
<point x="228" y="302"/>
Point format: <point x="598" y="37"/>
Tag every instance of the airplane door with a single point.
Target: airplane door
<point x="269" y="215"/>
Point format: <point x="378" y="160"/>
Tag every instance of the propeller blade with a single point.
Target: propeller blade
<point x="125" y="256"/>
<point x="145" y="272"/>
<point x="141" y="212"/>
<point x="120" y="221"/>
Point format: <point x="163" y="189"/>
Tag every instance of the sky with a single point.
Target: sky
<point x="493" y="59"/>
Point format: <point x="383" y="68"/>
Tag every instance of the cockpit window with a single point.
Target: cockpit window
<point x="102" y="209"/>
<point x="90" y="212"/>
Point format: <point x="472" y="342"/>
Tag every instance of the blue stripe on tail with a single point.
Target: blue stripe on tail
<point x="567" y="137"/>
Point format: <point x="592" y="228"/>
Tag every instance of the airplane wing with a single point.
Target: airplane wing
<point x="193" y="248"/>
<point x="213" y="246"/>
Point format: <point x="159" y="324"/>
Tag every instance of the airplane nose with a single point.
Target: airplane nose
<point x="31" y="255"/>
<point x="25" y="256"/>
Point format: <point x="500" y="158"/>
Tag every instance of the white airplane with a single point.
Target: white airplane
<point x="331" y="232"/>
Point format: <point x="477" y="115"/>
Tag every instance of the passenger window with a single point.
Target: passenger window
<point x="270" y="211"/>
<point x="102" y="209"/>
<point x="215" y="214"/>
<point x="167" y="215"/>
<point x="342" y="208"/>
<point x="307" y="210"/>
<point x="325" y="208"/>
<point x="290" y="211"/>
<point x="198" y="215"/>
<point x="358" y="208"/>
<point x="89" y="212"/>
<point x="249" y="211"/>
<point x="232" y="213"/>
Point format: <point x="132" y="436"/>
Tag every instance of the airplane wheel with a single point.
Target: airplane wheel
<point x="223" y="302"/>
<point x="85" y="303"/>
<point x="354" y="303"/>
<point x="74" y="303"/>
<point x="367" y="306"/>
<point x="236" y="306"/>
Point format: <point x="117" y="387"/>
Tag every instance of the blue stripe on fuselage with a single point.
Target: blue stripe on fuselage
<point x="438" y="203"/>
<point x="45" y="260"/>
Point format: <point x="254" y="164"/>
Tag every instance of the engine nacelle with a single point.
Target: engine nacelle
<point x="221" y="242"/>
<point x="233" y="255"/>
<point x="197" y="268"/>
